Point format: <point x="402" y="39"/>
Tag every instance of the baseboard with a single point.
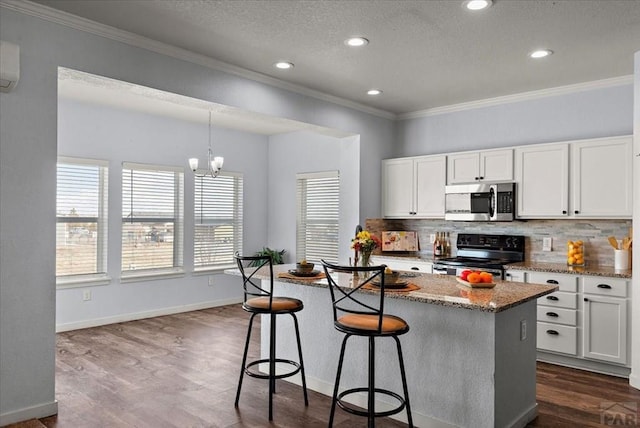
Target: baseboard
<point x="634" y="380"/>
<point x="524" y="418"/>
<point x="583" y="364"/>
<point x="33" y="412"/>
<point x="96" y="322"/>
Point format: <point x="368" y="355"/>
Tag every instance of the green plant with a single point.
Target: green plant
<point x="277" y="257"/>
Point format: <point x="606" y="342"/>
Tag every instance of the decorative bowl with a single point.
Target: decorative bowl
<point x="304" y="268"/>
<point x="391" y="278"/>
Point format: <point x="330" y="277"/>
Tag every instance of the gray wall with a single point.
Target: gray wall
<point x="28" y="153"/>
<point x="302" y="152"/>
<point x="99" y="132"/>
<point x="634" y="378"/>
<point x="592" y="113"/>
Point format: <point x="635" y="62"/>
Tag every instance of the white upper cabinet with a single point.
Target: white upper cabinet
<point x="489" y="165"/>
<point x="542" y="180"/>
<point x="602" y="177"/>
<point x="414" y="187"/>
<point x="577" y="179"/>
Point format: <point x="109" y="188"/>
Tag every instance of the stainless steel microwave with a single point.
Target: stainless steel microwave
<point x="480" y="202"/>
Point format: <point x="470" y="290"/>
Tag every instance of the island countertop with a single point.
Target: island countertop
<point x="440" y="290"/>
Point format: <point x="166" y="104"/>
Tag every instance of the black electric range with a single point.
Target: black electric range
<point x="490" y="253"/>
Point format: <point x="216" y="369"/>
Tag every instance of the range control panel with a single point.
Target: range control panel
<point x="490" y="242"/>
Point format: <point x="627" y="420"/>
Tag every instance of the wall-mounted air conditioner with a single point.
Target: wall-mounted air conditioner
<point x="9" y="66"/>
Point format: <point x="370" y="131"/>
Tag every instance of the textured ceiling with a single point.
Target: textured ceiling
<point x="422" y="54"/>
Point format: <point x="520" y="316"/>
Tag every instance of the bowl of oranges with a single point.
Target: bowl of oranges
<point x="575" y="253"/>
<point x="476" y="279"/>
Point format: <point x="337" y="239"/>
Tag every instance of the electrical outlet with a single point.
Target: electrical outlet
<point x="211" y="282"/>
<point x="547" y="244"/>
<point x="86" y="295"/>
<point x="432" y="238"/>
<point x="523" y="329"/>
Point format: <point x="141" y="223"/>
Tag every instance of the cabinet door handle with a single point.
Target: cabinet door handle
<point x="552" y="314"/>
<point x="576" y="212"/>
<point x="554" y="298"/>
<point x="415" y="268"/>
<point x="481" y="178"/>
<point x="552" y="281"/>
<point x="564" y="211"/>
<point x="586" y="300"/>
<point x="605" y="286"/>
<point x="477" y="178"/>
<point x="553" y="332"/>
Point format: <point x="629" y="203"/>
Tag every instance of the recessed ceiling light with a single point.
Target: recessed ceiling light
<point x="540" y="53"/>
<point x="283" y="65"/>
<point x="477" y="4"/>
<point x="374" y="92"/>
<point x="356" y="41"/>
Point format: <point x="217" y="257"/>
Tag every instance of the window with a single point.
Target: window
<point x="218" y="220"/>
<point x="81" y="218"/>
<point x="318" y="197"/>
<point x="152" y="213"/>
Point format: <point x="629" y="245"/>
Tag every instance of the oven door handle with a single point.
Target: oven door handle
<point x="492" y="202"/>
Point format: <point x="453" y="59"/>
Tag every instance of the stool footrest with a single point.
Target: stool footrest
<point x="295" y="364"/>
<point x="348" y="407"/>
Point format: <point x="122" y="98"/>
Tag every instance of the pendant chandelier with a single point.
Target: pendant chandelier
<point x="214" y="163"/>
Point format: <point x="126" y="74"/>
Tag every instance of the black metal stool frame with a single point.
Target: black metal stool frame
<point x="345" y="301"/>
<point x="253" y="289"/>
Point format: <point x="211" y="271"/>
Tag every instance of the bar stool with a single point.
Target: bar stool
<point x="354" y="316"/>
<point x="258" y="300"/>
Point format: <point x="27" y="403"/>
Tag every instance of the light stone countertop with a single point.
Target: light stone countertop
<point x="440" y="290"/>
<point x="589" y="269"/>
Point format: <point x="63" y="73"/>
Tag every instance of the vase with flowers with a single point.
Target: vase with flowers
<point x="364" y="243"/>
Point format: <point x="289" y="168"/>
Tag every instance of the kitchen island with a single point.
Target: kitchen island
<point x="470" y="355"/>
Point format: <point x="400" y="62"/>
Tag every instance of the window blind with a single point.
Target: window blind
<point x="152" y="208"/>
<point x="81" y="217"/>
<point x="318" y="201"/>
<point x="218" y="220"/>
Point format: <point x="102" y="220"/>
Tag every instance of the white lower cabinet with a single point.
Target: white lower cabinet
<point x="605" y="320"/>
<point x="586" y="320"/>
<point x="407" y="265"/>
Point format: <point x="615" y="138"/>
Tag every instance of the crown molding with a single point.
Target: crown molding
<point x="72" y="21"/>
<point x="524" y="96"/>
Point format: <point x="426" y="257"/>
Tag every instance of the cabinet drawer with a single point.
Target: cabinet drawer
<point x="603" y="286"/>
<point x="557" y="338"/>
<point x="564" y="282"/>
<point x="557" y="315"/>
<point x="560" y="299"/>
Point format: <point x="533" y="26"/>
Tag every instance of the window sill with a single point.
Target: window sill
<point x="210" y="270"/>
<point x="82" y="281"/>
<point x="138" y="276"/>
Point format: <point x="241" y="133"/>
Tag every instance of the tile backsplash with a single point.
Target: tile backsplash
<point x="594" y="233"/>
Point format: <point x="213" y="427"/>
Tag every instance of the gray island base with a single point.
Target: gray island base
<point x="470" y="362"/>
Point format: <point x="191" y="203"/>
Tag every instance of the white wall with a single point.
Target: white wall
<point x="602" y="112"/>
<point x="634" y="378"/>
<point x="304" y="152"/>
<point x="28" y="153"/>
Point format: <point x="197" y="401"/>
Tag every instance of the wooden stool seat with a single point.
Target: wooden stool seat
<point x="357" y="323"/>
<point x="276" y="304"/>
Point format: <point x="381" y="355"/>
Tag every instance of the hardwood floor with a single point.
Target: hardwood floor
<point x="182" y="371"/>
